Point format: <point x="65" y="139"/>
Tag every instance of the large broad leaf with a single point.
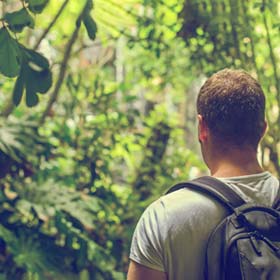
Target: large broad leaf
<point x="19" y="19"/>
<point x="18" y="89"/>
<point x="10" y="54"/>
<point x="35" y="77"/>
<point x="38" y="77"/>
<point x="38" y="74"/>
<point x="37" y="6"/>
<point x="91" y="26"/>
<point x="36" y="82"/>
<point x="37" y="58"/>
<point x="75" y="205"/>
<point x="40" y="81"/>
<point x="32" y="98"/>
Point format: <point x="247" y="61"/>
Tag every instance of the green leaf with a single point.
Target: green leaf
<point x="36" y="58"/>
<point x="10" y="54"/>
<point x="18" y="20"/>
<point x="37" y="6"/>
<point x="31" y="96"/>
<point x="38" y="74"/>
<point x="18" y="89"/>
<point x="38" y="81"/>
<point x="43" y="81"/>
<point x="91" y="26"/>
<point x="89" y="6"/>
<point x="35" y="76"/>
<point x="6" y="235"/>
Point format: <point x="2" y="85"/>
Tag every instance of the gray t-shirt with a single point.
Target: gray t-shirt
<point x="172" y="233"/>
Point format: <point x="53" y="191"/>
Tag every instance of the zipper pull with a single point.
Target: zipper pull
<point x="271" y="245"/>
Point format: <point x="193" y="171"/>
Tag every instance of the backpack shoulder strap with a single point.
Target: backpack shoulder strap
<point x="276" y="203"/>
<point x="215" y="188"/>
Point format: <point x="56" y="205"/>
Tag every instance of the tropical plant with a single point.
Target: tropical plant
<point x="116" y="121"/>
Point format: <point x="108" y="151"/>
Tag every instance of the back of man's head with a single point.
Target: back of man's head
<point x="232" y="104"/>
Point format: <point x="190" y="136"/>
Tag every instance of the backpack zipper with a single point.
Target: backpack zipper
<point x="254" y="237"/>
<point x="268" y="242"/>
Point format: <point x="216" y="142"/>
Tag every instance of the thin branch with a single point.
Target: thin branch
<point x="52" y="23"/>
<point x="63" y="67"/>
<point x="61" y="76"/>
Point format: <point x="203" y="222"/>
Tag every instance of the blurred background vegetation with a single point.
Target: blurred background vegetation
<point x="98" y="118"/>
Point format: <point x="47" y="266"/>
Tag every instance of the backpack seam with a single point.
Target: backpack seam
<point x="243" y="256"/>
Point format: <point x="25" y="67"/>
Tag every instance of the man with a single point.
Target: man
<point x="170" y="238"/>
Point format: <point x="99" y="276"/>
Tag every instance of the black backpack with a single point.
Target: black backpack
<point x="246" y="243"/>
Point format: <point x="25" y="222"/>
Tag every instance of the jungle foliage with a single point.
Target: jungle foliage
<point x="108" y="122"/>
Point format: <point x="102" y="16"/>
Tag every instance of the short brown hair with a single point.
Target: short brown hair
<point x="232" y="104"/>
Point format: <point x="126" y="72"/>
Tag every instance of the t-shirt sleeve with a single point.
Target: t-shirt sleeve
<point x="148" y="238"/>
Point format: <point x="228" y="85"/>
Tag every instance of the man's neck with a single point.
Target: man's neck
<point x="237" y="163"/>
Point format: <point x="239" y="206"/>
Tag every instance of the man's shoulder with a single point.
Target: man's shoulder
<point x="175" y="226"/>
<point x="189" y="218"/>
<point x="184" y="207"/>
<point x="185" y="198"/>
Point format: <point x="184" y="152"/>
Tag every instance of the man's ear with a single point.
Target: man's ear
<point x="265" y="128"/>
<point x="203" y="130"/>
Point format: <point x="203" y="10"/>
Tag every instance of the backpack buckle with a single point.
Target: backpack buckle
<point x="240" y="220"/>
